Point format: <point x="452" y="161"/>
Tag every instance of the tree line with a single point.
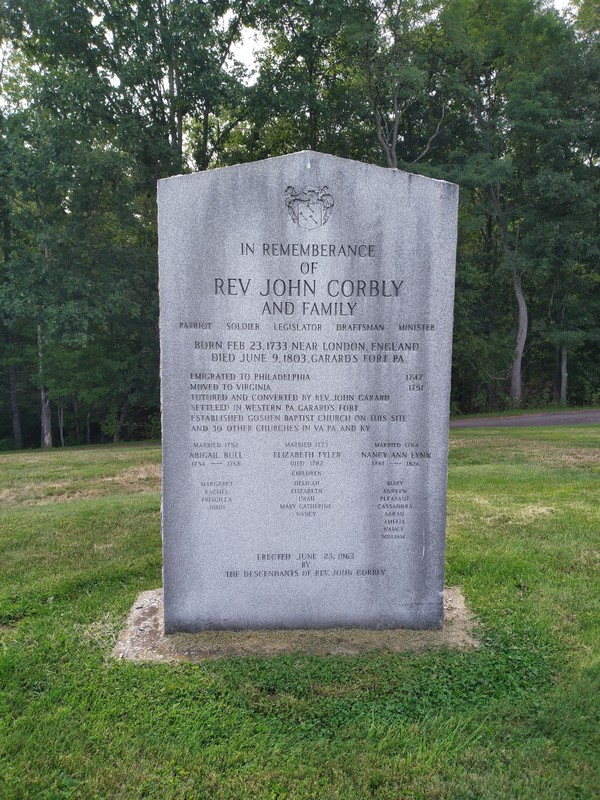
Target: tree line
<point x="102" y="98"/>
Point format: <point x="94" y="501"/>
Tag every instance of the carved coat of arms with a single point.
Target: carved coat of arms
<point x="309" y="206"/>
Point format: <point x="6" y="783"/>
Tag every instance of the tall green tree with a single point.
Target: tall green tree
<point x="404" y="76"/>
<point x="511" y="129"/>
<point x="102" y="97"/>
<point x="150" y="68"/>
<point x="99" y="99"/>
<point x="309" y="92"/>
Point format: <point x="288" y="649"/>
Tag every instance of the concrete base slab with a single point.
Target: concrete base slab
<point x="143" y="638"/>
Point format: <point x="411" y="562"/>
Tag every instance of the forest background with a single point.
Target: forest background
<point x="100" y="99"/>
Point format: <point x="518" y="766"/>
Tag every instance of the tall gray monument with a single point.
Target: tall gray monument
<point x="306" y="325"/>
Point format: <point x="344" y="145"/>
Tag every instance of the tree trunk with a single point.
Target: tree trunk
<point x="313" y="127"/>
<point x="120" y="421"/>
<point x="46" y="416"/>
<point x="387" y="140"/>
<point x="77" y="428"/>
<point x="61" y="424"/>
<point x="203" y="156"/>
<point x="88" y="433"/>
<point x="563" y="375"/>
<point x="556" y="379"/>
<point x="12" y="372"/>
<point x="14" y="407"/>
<point x="510" y="252"/>
<point x="515" y="385"/>
<point x="180" y="139"/>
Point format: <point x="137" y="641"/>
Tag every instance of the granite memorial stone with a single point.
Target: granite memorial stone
<point x="306" y="323"/>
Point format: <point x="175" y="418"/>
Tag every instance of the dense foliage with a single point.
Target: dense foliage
<point x="101" y="98"/>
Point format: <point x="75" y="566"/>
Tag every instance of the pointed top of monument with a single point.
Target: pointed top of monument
<point x="309" y="160"/>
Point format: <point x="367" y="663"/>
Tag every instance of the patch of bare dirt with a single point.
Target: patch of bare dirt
<point x="102" y="547"/>
<point x="528" y="513"/>
<point x="582" y="458"/>
<point x="143" y="479"/>
<point x="103" y="633"/>
<point x="35" y="493"/>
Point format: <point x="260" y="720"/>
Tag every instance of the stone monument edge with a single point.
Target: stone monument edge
<point x="250" y="164"/>
<point x="449" y="192"/>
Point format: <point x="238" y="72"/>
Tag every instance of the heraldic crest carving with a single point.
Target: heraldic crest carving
<point x="309" y="206"/>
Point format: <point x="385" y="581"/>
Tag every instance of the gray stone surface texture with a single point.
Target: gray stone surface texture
<point x="143" y="637"/>
<point x="306" y="320"/>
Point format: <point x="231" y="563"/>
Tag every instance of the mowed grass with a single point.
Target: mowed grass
<point x="519" y="718"/>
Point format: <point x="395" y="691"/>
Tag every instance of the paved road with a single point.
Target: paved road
<point x="536" y="419"/>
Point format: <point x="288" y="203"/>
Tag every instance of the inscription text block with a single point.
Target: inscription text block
<point x="306" y="323"/>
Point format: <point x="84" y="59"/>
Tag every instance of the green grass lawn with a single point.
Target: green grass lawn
<point x="519" y="718"/>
